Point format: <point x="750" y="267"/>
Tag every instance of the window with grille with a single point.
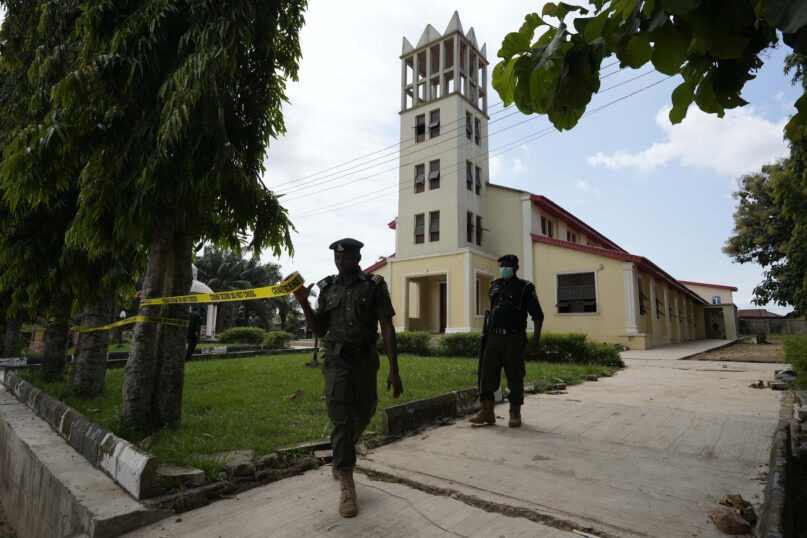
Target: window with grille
<point x="469" y="227"/>
<point x="478" y="180"/>
<point x="576" y="293"/>
<point x="434" y="226"/>
<point x="479" y="230"/>
<point x="469" y="128"/>
<point x="419" y="228"/>
<point x="477" y="130"/>
<point x="469" y="175"/>
<point x="571" y="236"/>
<point x="420" y="178"/>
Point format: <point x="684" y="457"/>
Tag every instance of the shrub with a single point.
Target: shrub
<point x="459" y="345"/>
<point x="796" y="354"/>
<point x="277" y="339"/>
<point x="242" y="335"/>
<point x="576" y="348"/>
<point x="414" y="342"/>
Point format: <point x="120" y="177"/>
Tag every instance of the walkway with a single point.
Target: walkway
<point x="646" y="452"/>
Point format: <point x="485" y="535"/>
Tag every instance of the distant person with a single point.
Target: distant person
<point x="241" y="317"/>
<point x="194" y="331"/>
<point x="253" y="320"/>
<point x="511" y="299"/>
<point x="350" y="307"/>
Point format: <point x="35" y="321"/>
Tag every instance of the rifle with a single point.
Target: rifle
<point x="482" y="342"/>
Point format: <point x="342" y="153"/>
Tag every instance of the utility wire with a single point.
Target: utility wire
<point x="518" y="142"/>
<point x="332" y="168"/>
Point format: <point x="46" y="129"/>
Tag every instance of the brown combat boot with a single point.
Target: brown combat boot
<point x="347" y="500"/>
<point x="515" y="416"/>
<point x="484" y="415"/>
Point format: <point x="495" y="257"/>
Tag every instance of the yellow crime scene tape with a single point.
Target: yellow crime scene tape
<point x="289" y="285"/>
<point x="137" y="319"/>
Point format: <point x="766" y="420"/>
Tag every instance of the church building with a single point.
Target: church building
<point x="453" y="223"/>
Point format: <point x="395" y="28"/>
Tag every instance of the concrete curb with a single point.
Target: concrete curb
<point x="776" y="513"/>
<point x="419" y="413"/>
<point x="132" y="469"/>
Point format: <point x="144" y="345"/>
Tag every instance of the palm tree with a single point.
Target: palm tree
<point x="226" y="270"/>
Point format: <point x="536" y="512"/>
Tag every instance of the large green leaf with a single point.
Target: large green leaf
<point x="680" y="7"/>
<point x="788" y="16"/>
<point x="670" y="48"/>
<point x="594" y="29"/>
<point x="706" y="99"/>
<point x="682" y="97"/>
<point x="514" y="43"/>
<point x="637" y="52"/>
<point x="561" y="9"/>
<point x="503" y="80"/>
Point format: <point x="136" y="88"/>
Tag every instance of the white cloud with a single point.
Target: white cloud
<point x="737" y="144"/>
<point x="518" y="166"/>
<point x="585" y="187"/>
<point x="495" y="167"/>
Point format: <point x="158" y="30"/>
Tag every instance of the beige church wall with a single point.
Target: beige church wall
<point x="449" y="268"/>
<point x="488" y="269"/>
<point x="506" y="228"/>
<point x="707" y="293"/>
<point x="609" y="321"/>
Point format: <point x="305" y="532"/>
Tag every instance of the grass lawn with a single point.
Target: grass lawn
<point x="245" y="403"/>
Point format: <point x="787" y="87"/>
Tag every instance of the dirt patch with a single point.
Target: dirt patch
<point x="6" y="530"/>
<point x="743" y="352"/>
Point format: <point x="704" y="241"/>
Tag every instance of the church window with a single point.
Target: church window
<point x="478" y="180"/>
<point x="547" y="227"/>
<point x="571" y="236"/>
<point x="434" y="123"/>
<point x="469" y="227"/>
<point x="420" y="178"/>
<point x="420" y="128"/>
<point x="469" y="128"/>
<point x="477" y="130"/>
<point x="434" y="226"/>
<point x="419" y="227"/>
<point x="577" y="293"/>
<point x="434" y="174"/>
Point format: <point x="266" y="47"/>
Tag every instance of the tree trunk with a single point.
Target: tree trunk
<point x="171" y="371"/>
<point x="12" y="337"/>
<point x="89" y="370"/>
<point x="138" y="378"/>
<point x="155" y="370"/>
<point x="57" y="332"/>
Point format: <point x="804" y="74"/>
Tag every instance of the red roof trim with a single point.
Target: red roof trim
<point x="393" y="224"/>
<point x="551" y="207"/>
<point x="719" y="286"/>
<point x="379" y="264"/>
<point x="641" y="262"/>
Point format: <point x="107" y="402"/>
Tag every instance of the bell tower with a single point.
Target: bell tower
<point x="443" y="170"/>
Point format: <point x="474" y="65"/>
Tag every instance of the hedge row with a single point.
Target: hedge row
<point x="255" y="335"/>
<point x="796" y="354"/>
<point x="555" y="347"/>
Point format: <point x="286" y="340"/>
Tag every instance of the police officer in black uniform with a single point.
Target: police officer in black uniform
<point x="350" y="307"/>
<point x="511" y="299"/>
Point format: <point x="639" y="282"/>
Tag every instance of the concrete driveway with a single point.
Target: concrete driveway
<point x="646" y="452"/>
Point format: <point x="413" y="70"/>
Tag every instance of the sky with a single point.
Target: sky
<point x="660" y="191"/>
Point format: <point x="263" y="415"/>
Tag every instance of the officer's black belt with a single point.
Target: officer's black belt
<point x="348" y="350"/>
<point x="497" y="330"/>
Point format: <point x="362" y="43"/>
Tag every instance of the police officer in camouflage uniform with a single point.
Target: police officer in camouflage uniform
<point x="350" y="307"/>
<point x="511" y="299"/>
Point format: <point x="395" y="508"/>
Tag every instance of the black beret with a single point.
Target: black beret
<point x="512" y="258"/>
<point x="346" y="245"/>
